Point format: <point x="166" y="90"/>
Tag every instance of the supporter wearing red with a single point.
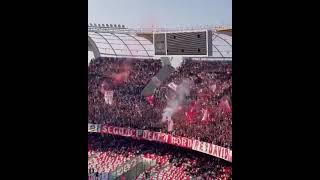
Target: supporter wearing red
<point x="206" y="114"/>
<point x="174" y="162"/>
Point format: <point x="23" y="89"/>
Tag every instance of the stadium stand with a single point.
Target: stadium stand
<point x="207" y="115"/>
<point x="121" y="63"/>
<point x="171" y="162"/>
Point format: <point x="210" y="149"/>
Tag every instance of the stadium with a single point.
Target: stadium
<point x="159" y="102"/>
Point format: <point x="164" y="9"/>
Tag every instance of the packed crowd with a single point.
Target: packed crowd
<point x="205" y="115"/>
<point x="172" y="162"/>
<point x="104" y="160"/>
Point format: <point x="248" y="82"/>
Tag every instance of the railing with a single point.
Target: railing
<point x="155" y="29"/>
<point x="192" y="28"/>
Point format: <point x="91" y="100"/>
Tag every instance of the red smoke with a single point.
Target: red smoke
<point x="150" y="99"/>
<point x="149" y="22"/>
<point x="123" y="74"/>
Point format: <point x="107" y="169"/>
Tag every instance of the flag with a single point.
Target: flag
<point x="213" y="87"/>
<point x="172" y="86"/>
<point x="225" y="105"/>
<point x="191" y="112"/>
<point x="108" y="96"/>
<point x="205" y="115"/>
<point x="156" y="81"/>
<point x="228" y="107"/>
<point x="150" y="99"/>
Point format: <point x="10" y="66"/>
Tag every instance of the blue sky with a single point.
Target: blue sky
<point x="164" y="13"/>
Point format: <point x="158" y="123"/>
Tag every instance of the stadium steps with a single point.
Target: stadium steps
<point x="94" y="156"/>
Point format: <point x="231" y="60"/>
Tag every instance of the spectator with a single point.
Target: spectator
<point x="171" y="161"/>
<point x="212" y="119"/>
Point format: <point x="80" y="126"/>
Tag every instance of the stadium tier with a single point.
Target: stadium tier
<point x="132" y="89"/>
<point x="205" y="114"/>
<point x="112" y="157"/>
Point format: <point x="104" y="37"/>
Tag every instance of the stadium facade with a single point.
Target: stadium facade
<point x="119" y="41"/>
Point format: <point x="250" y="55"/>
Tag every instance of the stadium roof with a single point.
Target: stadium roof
<point x="109" y="44"/>
<point x="126" y="44"/>
<point x="221" y="46"/>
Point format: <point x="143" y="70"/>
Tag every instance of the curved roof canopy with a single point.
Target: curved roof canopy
<point x="221" y="46"/>
<point x="113" y="44"/>
<point x="120" y="45"/>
